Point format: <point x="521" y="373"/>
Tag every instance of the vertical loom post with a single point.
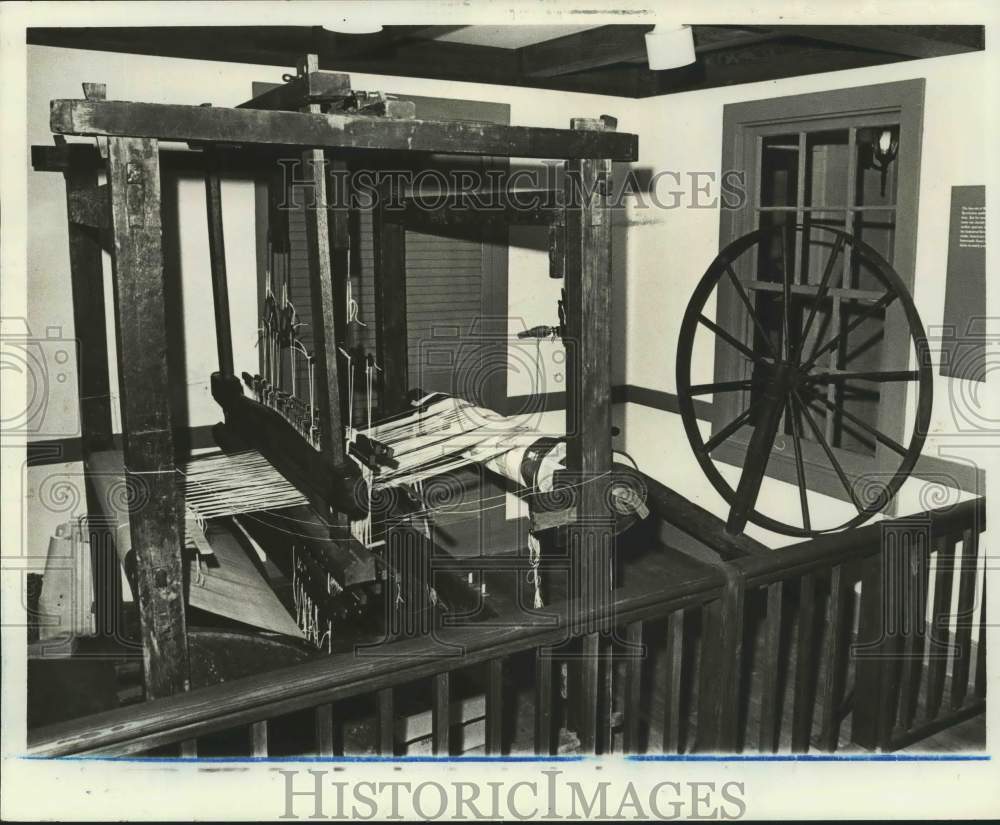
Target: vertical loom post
<point x="390" y="305"/>
<point x="217" y="256"/>
<point x="340" y="250"/>
<point x="324" y="317"/>
<point x="94" y="390"/>
<point x="155" y="521"/>
<point x="87" y="282"/>
<point x="588" y="415"/>
<point x="340" y="234"/>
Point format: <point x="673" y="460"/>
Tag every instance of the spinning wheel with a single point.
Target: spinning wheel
<point x="785" y="371"/>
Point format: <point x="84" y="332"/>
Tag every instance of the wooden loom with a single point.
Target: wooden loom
<point x="318" y="115"/>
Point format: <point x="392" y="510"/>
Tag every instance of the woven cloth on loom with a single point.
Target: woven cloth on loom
<point x="446" y="433"/>
<point x="242" y="482"/>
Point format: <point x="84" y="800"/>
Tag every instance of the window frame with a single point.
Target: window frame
<point x="745" y="125"/>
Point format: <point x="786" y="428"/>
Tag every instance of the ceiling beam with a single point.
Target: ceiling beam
<point x="765" y="62"/>
<point x="611" y="45"/>
<point x="590" y="49"/>
<point x="909" y="41"/>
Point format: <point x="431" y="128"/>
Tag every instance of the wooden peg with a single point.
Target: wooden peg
<point x="95" y="91"/>
<point x="308" y="63"/>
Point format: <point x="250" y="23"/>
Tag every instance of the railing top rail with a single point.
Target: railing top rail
<point x="836" y="548"/>
<point x="340" y="676"/>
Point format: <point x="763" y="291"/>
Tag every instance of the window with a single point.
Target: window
<point x="812" y="162"/>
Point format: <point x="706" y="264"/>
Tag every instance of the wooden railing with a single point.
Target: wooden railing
<point x="853" y="608"/>
<point x="758" y="650"/>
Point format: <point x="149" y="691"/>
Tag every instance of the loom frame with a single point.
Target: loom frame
<point x="124" y="215"/>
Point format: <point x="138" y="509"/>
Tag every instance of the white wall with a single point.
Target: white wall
<point x="669" y="251"/>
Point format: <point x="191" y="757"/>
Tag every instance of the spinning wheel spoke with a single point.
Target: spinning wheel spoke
<point x="834" y="342"/>
<point x="876" y="375"/>
<point x="730" y="428"/>
<point x="729" y="339"/>
<point x="878" y="435"/>
<point x="721" y="386"/>
<point x="800" y="469"/>
<point x="821" y="293"/>
<point x="734" y="278"/>
<point x="818" y="435"/>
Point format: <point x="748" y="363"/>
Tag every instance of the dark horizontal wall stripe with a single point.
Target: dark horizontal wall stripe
<point x="929" y="467"/>
<point x="620" y="394"/>
<point x="951" y="473"/>
<point x="660" y="400"/>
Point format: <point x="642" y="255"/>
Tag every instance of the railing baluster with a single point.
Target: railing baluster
<point x="589" y="703"/>
<point x="963" y="622"/>
<point x="918" y="585"/>
<point x="719" y="680"/>
<point x="543" y="702"/>
<point x="981" y="653"/>
<point x="258" y="738"/>
<point x="631" y="712"/>
<point x="385" y="722"/>
<point x="605" y="713"/>
<point x="770" y="719"/>
<point x="802" y="707"/>
<point x="494" y="708"/>
<point x="672" y="683"/>
<point x="832" y="653"/>
<point x="938" y="649"/>
<point x="324" y="729"/>
<point x="441" y="704"/>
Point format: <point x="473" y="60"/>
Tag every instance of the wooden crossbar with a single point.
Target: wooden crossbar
<point x="248" y="126"/>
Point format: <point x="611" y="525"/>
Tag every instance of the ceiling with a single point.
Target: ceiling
<point x="597" y="59"/>
<point x="504" y="37"/>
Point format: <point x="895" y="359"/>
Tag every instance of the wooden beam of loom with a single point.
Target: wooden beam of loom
<point x="247" y="126"/>
<point x="155" y="525"/>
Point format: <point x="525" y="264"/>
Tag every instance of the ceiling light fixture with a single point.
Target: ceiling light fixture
<point x="670" y="47"/>
<point x="353" y="25"/>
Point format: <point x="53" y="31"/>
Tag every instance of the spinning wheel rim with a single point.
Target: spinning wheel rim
<point x="693" y="318"/>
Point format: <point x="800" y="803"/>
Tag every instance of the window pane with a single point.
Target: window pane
<point x="869" y="168"/>
<point x="877" y="229"/>
<point x="779" y="170"/>
<point x="861" y="350"/>
<point x="821" y="329"/>
<point x="826" y="168"/>
<point x="818" y="243"/>
<point x="771" y="257"/>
